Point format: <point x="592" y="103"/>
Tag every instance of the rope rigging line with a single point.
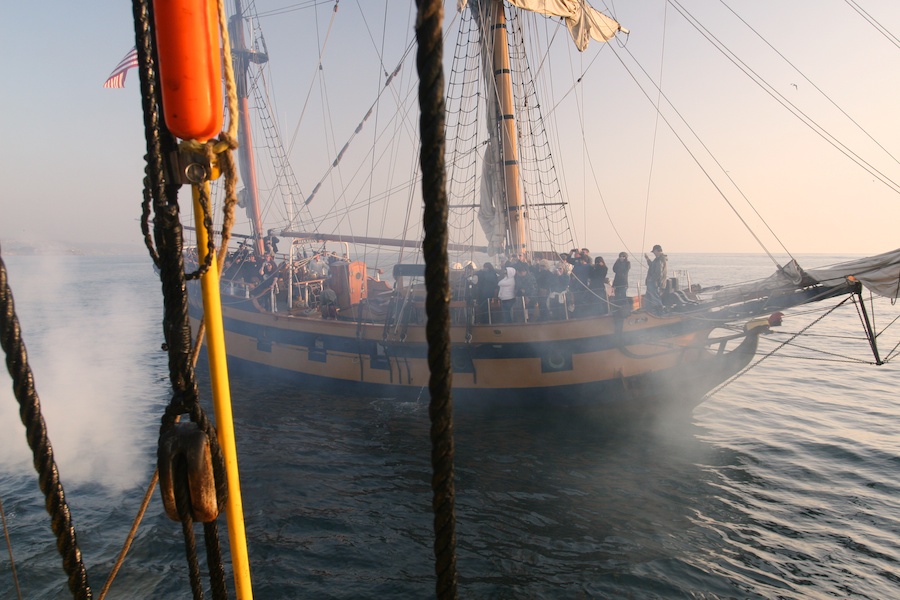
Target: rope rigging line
<point x="342" y="196"/>
<point x="809" y="81"/>
<point x="319" y="70"/>
<point x="694" y="156"/>
<point x="351" y="202"/>
<point x="337" y="160"/>
<point x="12" y="561"/>
<point x="169" y="259"/>
<point x="744" y="371"/>
<point x="892" y="353"/>
<point x="831" y="356"/>
<point x="129" y="539"/>
<point x="658" y="114"/>
<point x="437" y="283"/>
<point x="549" y="221"/>
<point x="781" y="99"/>
<point x="286" y="186"/>
<point x="372" y="157"/>
<point x="576" y="83"/>
<point x="874" y="22"/>
<point x="462" y="134"/>
<point x="275" y="12"/>
<point x="36" y="433"/>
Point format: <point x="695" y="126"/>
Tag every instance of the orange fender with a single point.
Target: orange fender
<point x="190" y="67"/>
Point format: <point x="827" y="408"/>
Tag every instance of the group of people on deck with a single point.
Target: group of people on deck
<point x="575" y="286"/>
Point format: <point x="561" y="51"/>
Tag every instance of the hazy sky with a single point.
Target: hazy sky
<point x="72" y="152"/>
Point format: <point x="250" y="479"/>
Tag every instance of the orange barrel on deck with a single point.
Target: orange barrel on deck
<point x="190" y="67"/>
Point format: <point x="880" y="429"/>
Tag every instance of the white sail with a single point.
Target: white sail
<point x="584" y="22"/>
<point x="490" y="216"/>
<point x="879" y="274"/>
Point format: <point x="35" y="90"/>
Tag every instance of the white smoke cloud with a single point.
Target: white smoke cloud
<point x="91" y="326"/>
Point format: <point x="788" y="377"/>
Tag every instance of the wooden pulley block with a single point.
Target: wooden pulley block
<point x="186" y="442"/>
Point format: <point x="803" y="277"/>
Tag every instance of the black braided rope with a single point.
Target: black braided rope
<point x="36" y="432"/>
<point x="153" y="181"/>
<point x="183" y="506"/>
<point x="437" y="282"/>
<point x="214" y="560"/>
<point x="168" y="256"/>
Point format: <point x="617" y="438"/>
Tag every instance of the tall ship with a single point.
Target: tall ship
<point x="324" y="301"/>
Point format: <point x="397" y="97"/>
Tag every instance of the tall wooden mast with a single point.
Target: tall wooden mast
<point x="509" y="148"/>
<point x="243" y="56"/>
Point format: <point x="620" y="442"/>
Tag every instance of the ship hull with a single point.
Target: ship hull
<point x="637" y="359"/>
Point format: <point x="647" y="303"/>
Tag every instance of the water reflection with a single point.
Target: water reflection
<point x="547" y="502"/>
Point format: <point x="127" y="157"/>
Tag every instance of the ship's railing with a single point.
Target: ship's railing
<point x="307" y="293"/>
<point x="236" y="288"/>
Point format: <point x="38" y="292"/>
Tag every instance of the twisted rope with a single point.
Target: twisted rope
<point x="437" y="283"/>
<point x="183" y="504"/>
<point x="36" y="433"/>
<point x="169" y="259"/>
<point x="744" y="371"/>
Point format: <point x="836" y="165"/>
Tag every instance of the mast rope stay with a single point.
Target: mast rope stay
<point x="787" y="104"/>
<point x="696" y="159"/>
<point x="812" y="83"/>
<point x="36" y="433"/>
<point x="771" y="353"/>
<point x="432" y="124"/>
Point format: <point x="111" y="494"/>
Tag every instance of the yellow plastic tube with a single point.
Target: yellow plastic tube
<point x="218" y="370"/>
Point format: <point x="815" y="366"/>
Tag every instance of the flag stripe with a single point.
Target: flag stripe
<point x="116" y="79"/>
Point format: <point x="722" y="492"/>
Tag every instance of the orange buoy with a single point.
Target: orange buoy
<point x="190" y="67"/>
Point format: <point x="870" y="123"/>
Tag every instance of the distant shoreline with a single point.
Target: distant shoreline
<point x="62" y="248"/>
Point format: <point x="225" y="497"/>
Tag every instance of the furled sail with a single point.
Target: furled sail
<point x="490" y="216"/>
<point x="584" y="21"/>
<point x="787" y="277"/>
<point x="879" y="274"/>
<point x="502" y="211"/>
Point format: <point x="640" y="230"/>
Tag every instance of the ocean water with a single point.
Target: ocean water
<point x="783" y="484"/>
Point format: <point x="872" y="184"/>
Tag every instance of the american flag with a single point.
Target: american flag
<point x="117" y="78"/>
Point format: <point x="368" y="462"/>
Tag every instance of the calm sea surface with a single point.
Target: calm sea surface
<point x="784" y="484"/>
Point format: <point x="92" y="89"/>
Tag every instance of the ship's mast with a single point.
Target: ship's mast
<point x="243" y="56"/>
<point x="516" y="216"/>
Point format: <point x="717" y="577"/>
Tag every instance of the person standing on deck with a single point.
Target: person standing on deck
<point x="486" y="289"/>
<point x="507" y="294"/>
<point x="657" y="272"/>
<point x="557" y="301"/>
<point x="599" y="301"/>
<point x="620" y="281"/>
<point x="526" y="289"/>
<point x="581" y="274"/>
<point x="543" y="280"/>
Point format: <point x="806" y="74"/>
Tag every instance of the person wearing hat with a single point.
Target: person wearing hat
<point x="657" y="272"/>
